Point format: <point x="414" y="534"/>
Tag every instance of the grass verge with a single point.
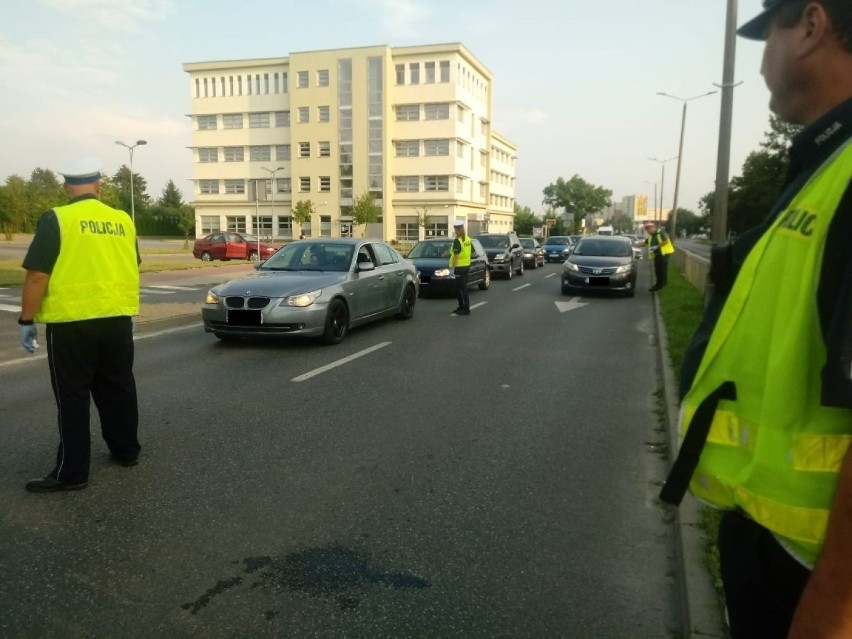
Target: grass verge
<point x="681" y="305"/>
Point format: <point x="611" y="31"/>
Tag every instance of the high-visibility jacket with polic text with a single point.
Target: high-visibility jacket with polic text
<point x="464" y="256"/>
<point x="775" y="451"/>
<point x="96" y="273"/>
<point x="661" y="241"/>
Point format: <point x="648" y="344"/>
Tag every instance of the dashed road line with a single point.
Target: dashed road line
<point x="340" y="362"/>
<point x="10" y="307"/>
<point x="551" y="275"/>
<point x="521" y="287"/>
<point x="168" y="287"/>
<point x="148" y="291"/>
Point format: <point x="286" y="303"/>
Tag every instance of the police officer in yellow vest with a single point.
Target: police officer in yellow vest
<point x="82" y="281"/>
<point x="767" y="379"/>
<point x="460" y="266"/>
<point x="659" y="248"/>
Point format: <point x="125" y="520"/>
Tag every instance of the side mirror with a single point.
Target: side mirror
<point x="366" y="266"/>
<point x="515" y="246"/>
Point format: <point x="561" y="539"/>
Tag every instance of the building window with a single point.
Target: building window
<point x="400" y="74"/>
<point x="262" y="225"/>
<point x="445" y="71"/>
<point x="285" y="225"/>
<point x="302" y="79"/>
<point x="322" y="78"/>
<point x="213" y="86"/>
<point x="282" y="152"/>
<point x="208" y="187"/>
<point x="236" y="223"/>
<point x="232" y="121"/>
<point x="436" y="147"/>
<point x="283" y="185"/>
<point x="407" y="231"/>
<point x="210" y="154"/>
<point x="234" y="154"/>
<point x="436" y="183"/>
<point x="197" y="88"/>
<point x="460" y="184"/>
<point x="429" y="69"/>
<point x="437" y="228"/>
<point x="407" y="183"/>
<point x="325" y="225"/>
<point x="284" y="78"/>
<point x="460" y="115"/>
<point x="483" y="128"/>
<point x="325" y="149"/>
<point x="408" y="112"/>
<point x="258" y="120"/>
<point x="282" y="118"/>
<point x="440" y="111"/>
<point x="206" y="122"/>
<point x="483" y="191"/>
<point x="235" y="187"/>
<point x="407" y="148"/>
<point x="304" y="149"/>
<point x="304" y="185"/>
<point x="239" y="85"/>
<point x="275" y="76"/>
<point x="414" y="72"/>
<point x="210" y="224"/>
<point x="260" y="153"/>
<point x="325" y="184"/>
<point x="323" y="114"/>
<point x="304" y="114"/>
<point x="483" y="158"/>
<point x="460" y="149"/>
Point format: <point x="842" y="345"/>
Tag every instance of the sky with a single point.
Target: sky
<point x="575" y="83"/>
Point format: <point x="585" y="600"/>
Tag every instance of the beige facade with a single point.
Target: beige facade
<point x="411" y="125"/>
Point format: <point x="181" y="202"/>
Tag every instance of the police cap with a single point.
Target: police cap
<point x="81" y="170"/>
<point x="755" y="29"/>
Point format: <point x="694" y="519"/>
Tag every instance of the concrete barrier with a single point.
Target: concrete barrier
<point x="695" y="268"/>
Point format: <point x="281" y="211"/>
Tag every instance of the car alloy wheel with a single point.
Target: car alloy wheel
<point x="206" y="257"/>
<point x="511" y="272"/>
<point x="253" y="256"/>
<point x="521" y="270"/>
<point x="486" y="280"/>
<point x="406" y="307"/>
<point x="336" y="322"/>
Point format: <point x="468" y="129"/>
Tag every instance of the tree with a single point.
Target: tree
<point x="302" y="211"/>
<point x="689" y="223"/>
<point x="43" y="192"/>
<point x="15" y="206"/>
<point x="171" y="197"/>
<point x="525" y="220"/>
<point x="141" y="199"/>
<point x="185" y="221"/>
<point x="577" y="198"/>
<point x="365" y="210"/>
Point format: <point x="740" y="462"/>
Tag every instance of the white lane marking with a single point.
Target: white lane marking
<point x="30" y="358"/>
<point x="520" y="287"/>
<point x="173" y="288"/>
<point x="572" y="305"/>
<point x="551" y="275"/>
<point x="10" y="307"/>
<point x="471" y="308"/>
<point x="148" y="291"/>
<point x="166" y="331"/>
<point x="340" y="362"/>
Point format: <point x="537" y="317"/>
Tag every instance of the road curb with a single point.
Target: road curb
<point x="701" y="613"/>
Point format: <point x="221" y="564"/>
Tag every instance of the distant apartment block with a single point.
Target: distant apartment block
<point x="410" y="125"/>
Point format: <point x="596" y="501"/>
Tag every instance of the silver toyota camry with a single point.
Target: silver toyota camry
<point x="316" y="287"/>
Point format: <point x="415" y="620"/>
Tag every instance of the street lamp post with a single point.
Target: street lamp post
<point x="662" y="181"/>
<point x="272" y="173"/>
<point x="655" y="194"/>
<point x="680" y="152"/>
<point x="132" y="194"/>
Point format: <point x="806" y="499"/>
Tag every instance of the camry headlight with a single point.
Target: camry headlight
<point x="212" y="298"/>
<point x="624" y="269"/>
<point x="571" y="266"/>
<point x="305" y="299"/>
<point x="442" y="272"/>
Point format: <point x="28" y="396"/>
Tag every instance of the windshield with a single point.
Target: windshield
<point x="440" y="248"/>
<point x="248" y="238"/>
<point x="311" y="256"/>
<point x="558" y="241"/>
<point x="600" y="248"/>
<point x="527" y="242"/>
<point x="494" y="241"/>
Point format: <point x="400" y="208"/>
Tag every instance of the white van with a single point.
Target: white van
<point x="605" y="230"/>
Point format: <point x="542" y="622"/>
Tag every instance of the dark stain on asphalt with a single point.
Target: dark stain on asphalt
<point x="331" y="572"/>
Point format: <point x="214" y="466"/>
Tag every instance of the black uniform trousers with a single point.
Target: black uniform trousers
<point x="462" y="273"/>
<point x="763" y="582"/>
<point x="661" y="270"/>
<point x="92" y="359"/>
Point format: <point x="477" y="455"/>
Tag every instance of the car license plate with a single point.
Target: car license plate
<point x="598" y="281"/>
<point x="244" y="318"/>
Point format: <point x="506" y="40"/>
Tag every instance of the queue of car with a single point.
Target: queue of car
<point x="322" y="287"/>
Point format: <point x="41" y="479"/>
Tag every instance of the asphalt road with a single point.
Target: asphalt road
<point x="484" y="476"/>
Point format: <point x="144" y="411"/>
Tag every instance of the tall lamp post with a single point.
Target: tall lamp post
<point x="132" y="194"/>
<point x="655" y="194"/>
<point x="272" y="173"/>
<point x="673" y="218"/>
<point x="662" y="181"/>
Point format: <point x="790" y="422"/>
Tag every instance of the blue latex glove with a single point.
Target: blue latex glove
<point x="28" y="338"/>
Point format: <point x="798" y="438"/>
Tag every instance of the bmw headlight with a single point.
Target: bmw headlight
<point x="500" y="257"/>
<point x="624" y="269"/>
<point x="571" y="266"/>
<point x="211" y="298"/>
<point x="442" y="272"/>
<point x="305" y="299"/>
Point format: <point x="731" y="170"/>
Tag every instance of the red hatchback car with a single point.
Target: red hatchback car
<point x="225" y="245"/>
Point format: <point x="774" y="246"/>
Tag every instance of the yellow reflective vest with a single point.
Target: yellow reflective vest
<point x="664" y="243"/>
<point x="775" y="451"/>
<point x="96" y="273"/>
<point x="464" y="256"/>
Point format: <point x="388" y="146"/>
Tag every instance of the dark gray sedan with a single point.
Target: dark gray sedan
<point x="317" y="287"/>
<point x="600" y="263"/>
